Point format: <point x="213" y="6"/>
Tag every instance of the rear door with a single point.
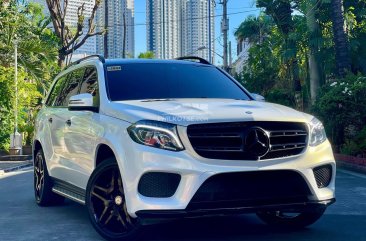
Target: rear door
<point x="63" y="169"/>
<point x="52" y="143"/>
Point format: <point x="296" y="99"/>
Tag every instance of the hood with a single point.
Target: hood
<point x="192" y="111"/>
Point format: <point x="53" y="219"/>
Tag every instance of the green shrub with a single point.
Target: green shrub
<point x="28" y="102"/>
<point x="342" y="108"/>
<point x="356" y="146"/>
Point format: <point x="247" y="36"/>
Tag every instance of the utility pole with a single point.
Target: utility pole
<point x="16" y="85"/>
<point x="106" y="28"/>
<point x="16" y="138"/>
<point x="224" y="30"/>
<point x="124" y="35"/>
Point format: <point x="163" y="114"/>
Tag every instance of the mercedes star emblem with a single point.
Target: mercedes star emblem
<point x="257" y="142"/>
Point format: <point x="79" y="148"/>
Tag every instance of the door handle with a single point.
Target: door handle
<point x="68" y="122"/>
<point x="50" y="120"/>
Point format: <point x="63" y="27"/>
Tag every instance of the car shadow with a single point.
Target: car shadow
<point x="217" y="228"/>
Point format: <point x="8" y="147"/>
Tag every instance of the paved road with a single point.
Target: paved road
<point x="22" y="219"/>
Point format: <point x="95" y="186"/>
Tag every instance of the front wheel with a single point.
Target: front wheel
<point x="290" y="220"/>
<point x="106" y="204"/>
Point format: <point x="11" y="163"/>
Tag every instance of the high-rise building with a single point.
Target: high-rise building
<point x="71" y="20"/>
<point x="180" y="28"/>
<point x="121" y="19"/>
<point x="195" y="28"/>
<point x="163" y="28"/>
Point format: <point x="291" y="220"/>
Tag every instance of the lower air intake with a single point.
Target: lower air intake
<point x="323" y="175"/>
<point x="230" y="190"/>
<point x="158" y="184"/>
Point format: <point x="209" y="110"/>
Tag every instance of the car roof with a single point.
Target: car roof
<point x="109" y="62"/>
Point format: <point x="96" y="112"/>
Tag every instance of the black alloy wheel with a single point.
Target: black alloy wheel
<point x="43" y="183"/>
<point x="106" y="204"/>
<point x="38" y="176"/>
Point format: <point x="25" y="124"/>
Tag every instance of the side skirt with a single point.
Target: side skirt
<point x="69" y="191"/>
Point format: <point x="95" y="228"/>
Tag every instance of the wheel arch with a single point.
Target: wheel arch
<point x="103" y="152"/>
<point x="36" y="147"/>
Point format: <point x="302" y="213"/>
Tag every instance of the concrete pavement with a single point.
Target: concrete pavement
<point x="21" y="219"/>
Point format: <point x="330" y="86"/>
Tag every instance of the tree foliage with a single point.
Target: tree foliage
<point x="281" y="13"/>
<point x="254" y="29"/>
<point x="342" y="107"/>
<point x="71" y="39"/>
<point x="146" y="55"/>
<point x="6" y="114"/>
<point x="26" y="24"/>
<point x="37" y="52"/>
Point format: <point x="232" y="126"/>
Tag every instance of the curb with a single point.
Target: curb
<point x="351" y="163"/>
<point x="16" y="158"/>
<point x="351" y="167"/>
<point x="17" y="168"/>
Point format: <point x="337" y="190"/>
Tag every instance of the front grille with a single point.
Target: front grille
<point x="323" y="175"/>
<point x="158" y="184"/>
<point x="230" y="190"/>
<point x="228" y="140"/>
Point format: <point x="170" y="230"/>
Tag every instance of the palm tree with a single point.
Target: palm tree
<point x="311" y="8"/>
<point x="281" y="12"/>
<point x="254" y="29"/>
<point x="37" y="45"/>
<point x="340" y="39"/>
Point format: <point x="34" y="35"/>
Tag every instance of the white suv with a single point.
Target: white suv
<point x="143" y="140"/>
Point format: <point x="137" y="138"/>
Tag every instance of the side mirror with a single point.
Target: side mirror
<point x="82" y="102"/>
<point x="258" y="97"/>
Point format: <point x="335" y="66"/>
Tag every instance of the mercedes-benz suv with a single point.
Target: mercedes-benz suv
<point x="143" y="140"/>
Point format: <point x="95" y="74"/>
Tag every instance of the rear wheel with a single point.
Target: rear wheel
<point x="106" y="204"/>
<point x="43" y="183"/>
<point x="291" y="220"/>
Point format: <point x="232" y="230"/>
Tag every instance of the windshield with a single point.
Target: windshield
<point x="136" y="81"/>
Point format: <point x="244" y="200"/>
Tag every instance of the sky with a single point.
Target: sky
<point x="238" y="10"/>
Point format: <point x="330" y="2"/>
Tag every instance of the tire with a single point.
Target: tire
<point x="43" y="183"/>
<point x="106" y="204"/>
<point x="290" y="220"/>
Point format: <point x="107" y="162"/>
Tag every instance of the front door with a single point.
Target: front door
<point x="81" y="132"/>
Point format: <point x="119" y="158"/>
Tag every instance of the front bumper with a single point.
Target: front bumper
<point x="135" y="160"/>
<point x="148" y="216"/>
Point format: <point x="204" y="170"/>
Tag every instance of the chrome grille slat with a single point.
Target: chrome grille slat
<point x="289" y="144"/>
<point x="284" y="149"/>
<point x="286" y="133"/>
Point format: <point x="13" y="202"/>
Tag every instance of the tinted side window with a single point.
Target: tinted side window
<point x="56" y="90"/>
<point x="90" y="82"/>
<point x="72" y="86"/>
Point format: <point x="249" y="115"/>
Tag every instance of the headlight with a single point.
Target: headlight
<point x="317" y="132"/>
<point x="156" y="134"/>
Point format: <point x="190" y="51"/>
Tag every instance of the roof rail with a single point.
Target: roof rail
<point x="200" y="60"/>
<point x="100" y="57"/>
